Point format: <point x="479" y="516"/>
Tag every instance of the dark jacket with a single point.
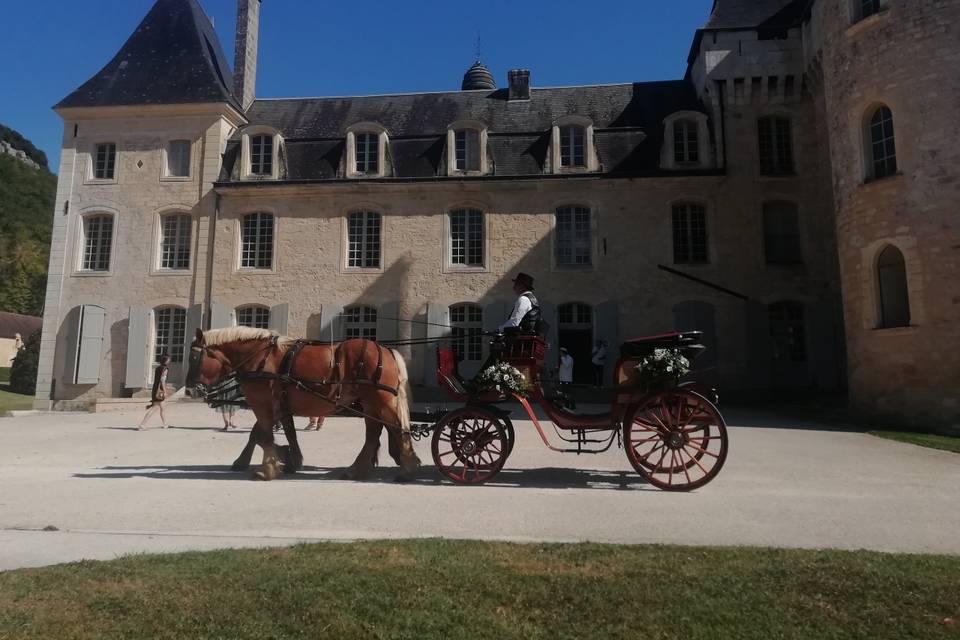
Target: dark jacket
<point x="159" y="393"/>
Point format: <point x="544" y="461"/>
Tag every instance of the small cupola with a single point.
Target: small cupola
<point x="478" y="77"/>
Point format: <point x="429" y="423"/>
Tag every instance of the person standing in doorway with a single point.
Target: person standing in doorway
<point x="565" y="373"/>
<point x="159" y="394"/>
<point x="599" y="359"/>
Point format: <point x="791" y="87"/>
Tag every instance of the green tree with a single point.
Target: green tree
<point x="23" y="373"/>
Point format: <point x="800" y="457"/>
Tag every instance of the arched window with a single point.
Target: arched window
<point x="360" y="322"/>
<point x="690" y="233"/>
<point x="175" y="241"/>
<point x="363" y="240"/>
<point x="892" y="286"/>
<point x="467" y="323"/>
<point x="367" y="152"/>
<point x="253" y="316"/>
<point x="776" y="145"/>
<point x="467" y="240"/>
<point x="170" y="331"/>
<point x="686" y="142"/>
<point x="97" y="242"/>
<point x="573" y="236"/>
<point x="256" y="242"/>
<point x="883" y="151"/>
<point x="781" y="233"/>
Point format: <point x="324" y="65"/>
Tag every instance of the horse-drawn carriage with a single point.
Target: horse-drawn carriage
<point x="672" y="432"/>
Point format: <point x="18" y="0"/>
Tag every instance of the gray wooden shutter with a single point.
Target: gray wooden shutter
<point x="94" y="319"/>
<point x="331" y="322"/>
<point x="221" y="316"/>
<point x="138" y="342"/>
<point x="438" y="326"/>
<point x="606" y="330"/>
<point x="279" y="314"/>
<point x="387" y="321"/>
<point x="551" y="358"/>
<point x="72" y="344"/>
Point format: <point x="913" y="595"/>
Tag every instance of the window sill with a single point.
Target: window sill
<point x="253" y="177"/>
<point x="99" y="181"/>
<point x="250" y="271"/>
<point x="360" y="270"/>
<point x="574" y="170"/>
<point x="92" y="274"/>
<point x="176" y="178"/>
<point x="462" y="269"/>
<point x="864" y="24"/>
<point x="171" y="272"/>
<point x="895" y="331"/>
<point x="869" y="182"/>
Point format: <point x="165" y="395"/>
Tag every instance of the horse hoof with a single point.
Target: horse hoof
<point x="259" y="475"/>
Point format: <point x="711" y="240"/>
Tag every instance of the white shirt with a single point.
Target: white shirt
<point x="520" y="309"/>
<point x="566" y="367"/>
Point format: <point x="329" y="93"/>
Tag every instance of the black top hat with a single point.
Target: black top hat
<point x="525" y="279"/>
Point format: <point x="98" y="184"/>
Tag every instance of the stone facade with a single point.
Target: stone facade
<point x="632" y="286"/>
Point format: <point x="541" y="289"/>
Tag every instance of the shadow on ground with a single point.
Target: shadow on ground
<point x="541" y="478"/>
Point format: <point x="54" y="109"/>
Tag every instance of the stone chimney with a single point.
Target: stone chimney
<point x="519" y="82"/>
<point x="245" y="58"/>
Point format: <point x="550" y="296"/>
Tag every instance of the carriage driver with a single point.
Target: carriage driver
<point x="526" y="310"/>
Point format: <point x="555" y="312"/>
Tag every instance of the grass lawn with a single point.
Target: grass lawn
<point x="947" y="443"/>
<point x="14" y="402"/>
<point x="447" y="589"/>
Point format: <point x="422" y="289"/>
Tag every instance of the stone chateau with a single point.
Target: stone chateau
<point x="794" y="197"/>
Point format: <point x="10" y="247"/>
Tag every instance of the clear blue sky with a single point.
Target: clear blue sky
<point x="336" y="47"/>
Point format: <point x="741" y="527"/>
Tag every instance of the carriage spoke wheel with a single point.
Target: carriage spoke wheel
<point x="676" y="440"/>
<point x="470" y="445"/>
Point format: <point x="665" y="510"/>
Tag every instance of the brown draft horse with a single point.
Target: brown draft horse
<point x="277" y="375"/>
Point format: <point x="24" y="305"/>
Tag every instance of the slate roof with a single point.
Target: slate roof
<point x="736" y="14"/>
<point x="627" y="119"/>
<point x="173" y="57"/>
<point x="13" y="323"/>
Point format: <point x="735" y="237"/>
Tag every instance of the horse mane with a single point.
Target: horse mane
<point x="216" y="337"/>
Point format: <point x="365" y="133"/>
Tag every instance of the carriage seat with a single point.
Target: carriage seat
<point x="687" y="342"/>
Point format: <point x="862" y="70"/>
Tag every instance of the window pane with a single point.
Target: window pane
<point x="573" y="233"/>
<point x="466" y="237"/>
<point x="467" y="321"/>
<point x="367" y="147"/>
<point x="883" y="144"/>
<point x="105" y="162"/>
<point x="776" y="146"/>
<point x="360" y="322"/>
<point x="363" y="233"/>
<point x="98" y="238"/>
<point x="690" y="234"/>
<point x="170" y="331"/>
<point x="261" y="155"/>
<point x="253" y="317"/>
<point x="781" y="233"/>
<point x="257" y="241"/>
<point x="175" y="242"/>
<point x="572" y="139"/>
<point x="178" y="158"/>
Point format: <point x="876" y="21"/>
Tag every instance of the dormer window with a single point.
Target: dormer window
<point x="572" y="140"/>
<point x="466" y="148"/>
<point x="261" y="152"/>
<point x="261" y="155"/>
<point x="572" y="148"/>
<point x="686" y="142"/>
<point x="366" y="151"/>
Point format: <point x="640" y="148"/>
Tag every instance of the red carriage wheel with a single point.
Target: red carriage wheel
<point x="676" y="440"/>
<point x="470" y="445"/>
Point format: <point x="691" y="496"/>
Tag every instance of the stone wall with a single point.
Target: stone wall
<point x="907" y="58"/>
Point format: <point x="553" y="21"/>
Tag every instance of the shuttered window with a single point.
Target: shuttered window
<point x="467" y="323"/>
<point x="253" y="317"/>
<point x="360" y="322"/>
<point x="170" y="326"/>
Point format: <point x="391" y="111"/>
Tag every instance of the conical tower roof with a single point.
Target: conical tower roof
<point x="173" y="57"/>
<point x="478" y="77"/>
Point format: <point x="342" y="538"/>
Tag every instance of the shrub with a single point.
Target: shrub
<point x="23" y="373"/>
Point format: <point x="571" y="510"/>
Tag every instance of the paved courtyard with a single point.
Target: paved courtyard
<point x="111" y="490"/>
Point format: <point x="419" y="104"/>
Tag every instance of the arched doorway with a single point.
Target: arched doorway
<point x="575" y="332"/>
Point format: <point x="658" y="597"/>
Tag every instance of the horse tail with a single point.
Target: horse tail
<point x="403" y="391"/>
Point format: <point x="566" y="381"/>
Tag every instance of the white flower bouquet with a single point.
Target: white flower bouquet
<point x="663" y="365"/>
<point x="503" y="378"/>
